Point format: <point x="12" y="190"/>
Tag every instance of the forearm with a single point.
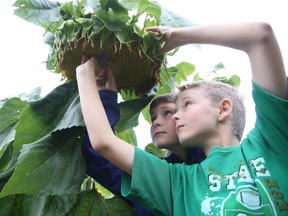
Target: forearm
<point x="238" y="36"/>
<point x="92" y="109"/>
<point x="101" y="136"/>
<point x="98" y="167"/>
<point x="257" y="40"/>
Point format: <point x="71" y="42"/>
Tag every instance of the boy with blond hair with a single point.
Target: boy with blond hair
<point x="247" y="178"/>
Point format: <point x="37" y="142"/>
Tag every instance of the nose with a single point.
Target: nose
<point x="157" y="122"/>
<point x="175" y="116"/>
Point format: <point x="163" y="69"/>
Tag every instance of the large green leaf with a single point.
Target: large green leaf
<point x="5" y="160"/>
<point x="9" y="115"/>
<point x="53" y="165"/>
<point x="58" y="110"/>
<point x="152" y="8"/>
<point x="5" y="157"/>
<point x="36" y="205"/>
<point x="44" y="115"/>
<point x="169" y="18"/>
<point x="34" y="95"/>
<point x="185" y="69"/>
<point x="72" y="117"/>
<point x="10" y="112"/>
<point x="6" y="137"/>
<point x="234" y="80"/>
<point x="130" y="4"/>
<point x="90" y="203"/>
<point x="112" y="14"/>
<point x="129" y="136"/>
<point x="155" y="151"/>
<point x="70" y="11"/>
<point x="129" y="113"/>
<point x="38" y="11"/>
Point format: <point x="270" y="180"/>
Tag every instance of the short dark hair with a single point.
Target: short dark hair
<point x="164" y="98"/>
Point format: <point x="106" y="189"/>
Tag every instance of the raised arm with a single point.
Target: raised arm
<point x="256" y="39"/>
<point x="101" y="136"/>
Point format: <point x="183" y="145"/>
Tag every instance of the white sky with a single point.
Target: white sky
<point x="23" y="50"/>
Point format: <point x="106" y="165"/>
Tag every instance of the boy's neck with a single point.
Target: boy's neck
<point x="224" y="141"/>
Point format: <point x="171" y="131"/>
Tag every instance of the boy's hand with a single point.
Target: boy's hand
<point x="106" y="80"/>
<point x="167" y="37"/>
<point x="89" y="65"/>
<point x="103" y="74"/>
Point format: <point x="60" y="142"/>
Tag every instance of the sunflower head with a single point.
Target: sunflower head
<point x="120" y="40"/>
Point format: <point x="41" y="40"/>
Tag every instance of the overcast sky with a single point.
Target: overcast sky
<point x="23" y="50"/>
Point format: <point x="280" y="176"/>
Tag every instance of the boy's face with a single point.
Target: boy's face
<point x="196" y="118"/>
<point x="162" y="130"/>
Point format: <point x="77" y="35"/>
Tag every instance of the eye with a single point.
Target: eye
<point x="153" y="118"/>
<point x="187" y="103"/>
<point x="168" y="113"/>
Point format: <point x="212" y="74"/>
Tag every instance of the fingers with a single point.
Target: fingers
<point x="111" y="83"/>
<point x="159" y="30"/>
<point x="105" y="80"/>
<point x="91" y="64"/>
<point x="153" y="29"/>
<point x="103" y="73"/>
<point x="101" y="79"/>
<point x="85" y="58"/>
<point x="160" y="52"/>
<point x="165" y="33"/>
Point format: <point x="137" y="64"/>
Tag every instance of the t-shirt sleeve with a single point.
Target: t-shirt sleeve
<point x="150" y="183"/>
<point x="272" y="120"/>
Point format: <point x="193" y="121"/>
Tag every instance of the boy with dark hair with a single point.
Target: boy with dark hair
<point x="235" y="179"/>
<point x="163" y="134"/>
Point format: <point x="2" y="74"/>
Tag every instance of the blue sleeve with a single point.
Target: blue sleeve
<point x="98" y="167"/>
<point x="109" y="101"/>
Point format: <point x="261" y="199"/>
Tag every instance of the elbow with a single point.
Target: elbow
<point x="260" y="36"/>
<point x="263" y="32"/>
<point x="101" y="143"/>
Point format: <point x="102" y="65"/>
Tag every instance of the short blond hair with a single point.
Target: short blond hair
<point x="216" y="92"/>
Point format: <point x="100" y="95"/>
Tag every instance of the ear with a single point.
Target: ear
<point x="225" y="109"/>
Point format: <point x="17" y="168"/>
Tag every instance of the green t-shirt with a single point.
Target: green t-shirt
<point x="248" y="179"/>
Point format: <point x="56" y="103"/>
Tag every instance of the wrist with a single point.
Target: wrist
<point x="82" y="72"/>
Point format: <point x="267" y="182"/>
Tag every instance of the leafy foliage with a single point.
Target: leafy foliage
<point x="31" y="205"/>
<point x="49" y="156"/>
<point x="90" y="202"/>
